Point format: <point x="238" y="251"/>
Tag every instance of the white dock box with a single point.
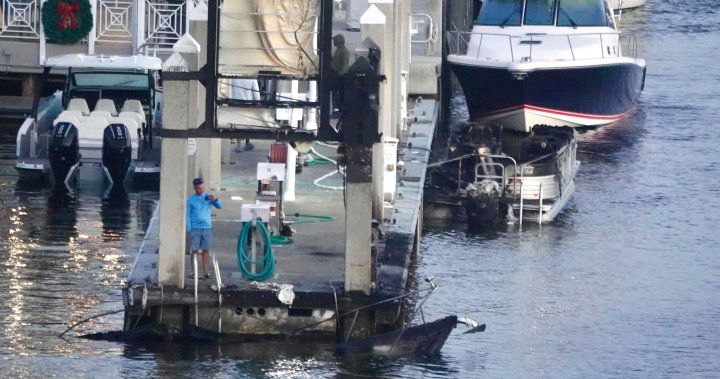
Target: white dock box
<point x="261" y="210"/>
<point x="389" y="146"/>
<point x="271" y="171"/>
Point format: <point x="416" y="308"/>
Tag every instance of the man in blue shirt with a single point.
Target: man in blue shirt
<point x="199" y="222"/>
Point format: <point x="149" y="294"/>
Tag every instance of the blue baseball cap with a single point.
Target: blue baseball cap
<point x="197" y="181"/>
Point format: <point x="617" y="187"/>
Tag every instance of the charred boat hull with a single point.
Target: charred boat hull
<point x="418" y="340"/>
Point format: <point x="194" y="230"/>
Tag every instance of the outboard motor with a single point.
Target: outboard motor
<point x="482" y="204"/>
<point x="63" y="150"/>
<point x="116" y="152"/>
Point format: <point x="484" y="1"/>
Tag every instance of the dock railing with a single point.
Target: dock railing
<point x="531" y="47"/>
<point x="154" y="25"/>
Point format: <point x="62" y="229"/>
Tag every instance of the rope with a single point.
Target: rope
<point x="268" y="258"/>
<point x="88" y="319"/>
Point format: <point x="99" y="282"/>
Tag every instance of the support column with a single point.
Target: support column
<point x="403" y="59"/>
<point x="375" y="29"/>
<point x="174" y="170"/>
<point x="388" y="45"/>
<point x="208" y="157"/>
<point x="360" y="89"/>
<point x="358" y="239"/>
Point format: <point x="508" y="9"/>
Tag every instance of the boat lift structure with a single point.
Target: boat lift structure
<point x="374" y="223"/>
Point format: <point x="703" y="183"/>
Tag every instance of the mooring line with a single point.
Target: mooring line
<point x="88" y="319"/>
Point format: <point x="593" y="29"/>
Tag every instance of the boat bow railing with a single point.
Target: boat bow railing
<point x="540" y="46"/>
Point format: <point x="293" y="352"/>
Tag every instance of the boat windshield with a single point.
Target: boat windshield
<point x="583" y="13"/>
<point x="111" y="79"/>
<point x="500" y="12"/>
<point x="544" y="12"/>
<point x="539" y="12"/>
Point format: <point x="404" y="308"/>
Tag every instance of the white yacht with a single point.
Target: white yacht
<point x="553" y="62"/>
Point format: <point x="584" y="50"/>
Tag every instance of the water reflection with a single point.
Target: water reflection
<point x="61" y="218"/>
<point x="115" y="214"/>
<point x="612" y="144"/>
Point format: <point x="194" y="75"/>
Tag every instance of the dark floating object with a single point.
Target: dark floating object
<point x="156" y="333"/>
<point x="145" y="333"/>
<point x="418" y="340"/>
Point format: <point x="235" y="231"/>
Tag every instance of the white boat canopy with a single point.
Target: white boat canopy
<point x="133" y="62"/>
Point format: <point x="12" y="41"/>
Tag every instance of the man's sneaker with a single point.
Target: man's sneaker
<point x="208" y="276"/>
<point x="249" y="146"/>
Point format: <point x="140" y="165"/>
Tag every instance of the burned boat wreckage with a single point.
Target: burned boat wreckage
<point x="492" y="176"/>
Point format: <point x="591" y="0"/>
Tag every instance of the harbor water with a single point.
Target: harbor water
<point x="625" y="283"/>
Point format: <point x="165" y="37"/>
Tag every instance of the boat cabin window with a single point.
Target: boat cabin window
<point x="582" y="13"/>
<point x="544" y="12"/>
<point x="539" y="12"/>
<point x="500" y="12"/>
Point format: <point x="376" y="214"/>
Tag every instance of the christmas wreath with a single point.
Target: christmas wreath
<point x="67" y="21"/>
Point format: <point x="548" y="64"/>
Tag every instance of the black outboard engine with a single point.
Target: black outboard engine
<point x="483" y="204"/>
<point x="117" y="152"/>
<point x="63" y="150"/>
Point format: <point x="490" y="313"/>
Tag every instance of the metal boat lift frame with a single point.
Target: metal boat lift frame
<point x="209" y="76"/>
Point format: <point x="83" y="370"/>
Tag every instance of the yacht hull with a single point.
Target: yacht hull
<point x="565" y="96"/>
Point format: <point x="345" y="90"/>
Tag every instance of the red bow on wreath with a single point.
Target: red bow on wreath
<point x="68" y="15"/>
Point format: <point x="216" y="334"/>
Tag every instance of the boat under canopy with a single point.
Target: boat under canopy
<point x="100" y="127"/>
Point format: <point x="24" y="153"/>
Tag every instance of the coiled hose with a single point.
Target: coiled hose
<point x="267" y="260"/>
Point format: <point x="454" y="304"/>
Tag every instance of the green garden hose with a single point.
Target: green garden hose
<point x="268" y="258"/>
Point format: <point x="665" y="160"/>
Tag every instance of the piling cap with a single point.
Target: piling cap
<point x="197" y="181"/>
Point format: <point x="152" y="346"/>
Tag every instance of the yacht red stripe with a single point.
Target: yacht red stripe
<point x="554" y="111"/>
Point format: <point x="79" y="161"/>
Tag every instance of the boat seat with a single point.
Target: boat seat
<point x="102" y="114"/>
<point x="73" y="117"/>
<point x="139" y="119"/>
<point x="132" y="105"/>
<point x="79" y="104"/>
<point x="106" y="105"/>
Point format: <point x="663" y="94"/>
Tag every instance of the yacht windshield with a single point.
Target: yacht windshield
<point x="582" y="13"/>
<point x="543" y="12"/>
<point x="539" y="12"/>
<point x="500" y="12"/>
<point x="111" y="79"/>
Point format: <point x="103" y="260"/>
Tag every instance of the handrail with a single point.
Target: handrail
<point x="195" y="280"/>
<point x="459" y="41"/>
<point x="432" y="28"/>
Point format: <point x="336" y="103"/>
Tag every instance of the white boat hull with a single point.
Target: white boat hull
<point x="524" y="118"/>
